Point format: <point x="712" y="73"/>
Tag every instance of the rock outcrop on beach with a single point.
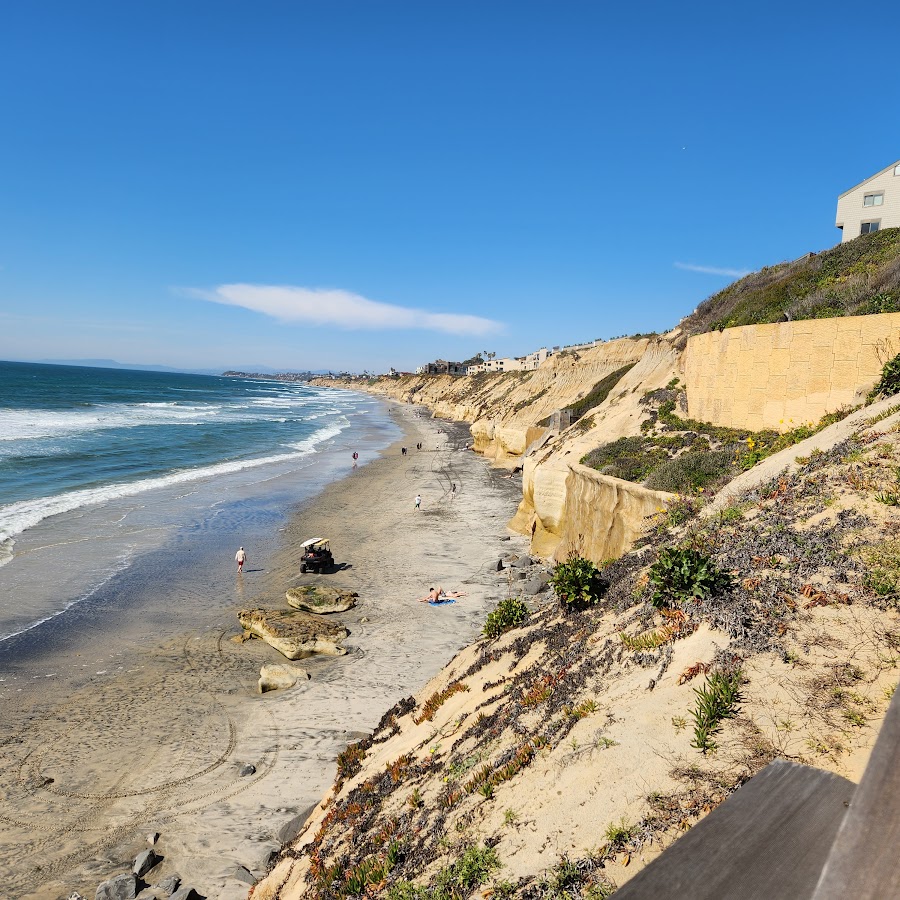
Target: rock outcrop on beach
<point x="295" y="634"/>
<point x="321" y="598"/>
<point x="279" y="677"/>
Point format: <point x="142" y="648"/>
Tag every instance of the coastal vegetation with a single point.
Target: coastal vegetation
<point x="686" y="456"/>
<point x="576" y="582"/>
<point x="889" y="382"/>
<point x="860" y="277"/>
<point x="717" y="700"/>
<point x="598" y="393"/>
<point x="509" y="613"/>
<point x="443" y="818"/>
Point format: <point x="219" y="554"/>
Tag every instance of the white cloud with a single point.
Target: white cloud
<point x="329" y="306"/>
<point x="713" y="270"/>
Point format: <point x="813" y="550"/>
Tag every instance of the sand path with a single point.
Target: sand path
<point x="160" y="746"/>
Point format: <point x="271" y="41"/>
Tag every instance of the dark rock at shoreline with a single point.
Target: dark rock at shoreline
<point x="241" y="873"/>
<point x="536" y="584"/>
<point x="187" y="893"/>
<point x="122" y="887"/>
<point x="145" y="861"/>
<point x="169" y="885"/>
<point x="523" y="563"/>
<point x="290" y="829"/>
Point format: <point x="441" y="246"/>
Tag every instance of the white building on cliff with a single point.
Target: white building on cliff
<point x="870" y="206"/>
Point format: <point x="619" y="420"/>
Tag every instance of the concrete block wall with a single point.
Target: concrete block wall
<point x="783" y="375"/>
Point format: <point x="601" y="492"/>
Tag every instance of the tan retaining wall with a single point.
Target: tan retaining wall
<point x="604" y="515"/>
<point x="779" y="376"/>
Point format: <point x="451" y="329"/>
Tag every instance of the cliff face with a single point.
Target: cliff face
<point x="505" y="412"/>
<point x="504" y="409"/>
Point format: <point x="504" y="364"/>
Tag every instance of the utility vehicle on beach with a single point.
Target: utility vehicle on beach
<point x="316" y="556"/>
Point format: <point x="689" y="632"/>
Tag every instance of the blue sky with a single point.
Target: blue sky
<point x="364" y="184"/>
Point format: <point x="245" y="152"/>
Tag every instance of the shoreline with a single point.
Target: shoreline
<point x="212" y="819"/>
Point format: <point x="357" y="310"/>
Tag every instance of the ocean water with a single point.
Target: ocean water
<point x="99" y="467"/>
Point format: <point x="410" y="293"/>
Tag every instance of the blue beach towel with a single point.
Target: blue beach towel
<point x="445" y="602"/>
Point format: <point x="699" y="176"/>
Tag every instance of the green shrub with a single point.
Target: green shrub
<point x="691" y="471"/>
<point x="598" y="393"/>
<point x="717" y="700"/>
<point x="508" y="614"/>
<point x="576" y="582"/>
<point x="854" y="278"/>
<point x="889" y="383"/>
<point x="682" y="574"/>
<point x="630" y="458"/>
<point x="455" y="882"/>
<point x="681" y="510"/>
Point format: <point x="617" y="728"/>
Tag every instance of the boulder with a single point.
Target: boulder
<point x="144" y="862"/>
<point x="499" y="565"/>
<point x="169" y="885"/>
<point x="122" y="887"/>
<point x="295" y="634"/>
<point x="187" y="893"/>
<point x="535" y="584"/>
<point x="240" y="873"/>
<point x="279" y="676"/>
<point x="290" y="829"/>
<point x="522" y="563"/>
<point x="321" y="598"/>
<point x="247" y="769"/>
<point x="268" y="858"/>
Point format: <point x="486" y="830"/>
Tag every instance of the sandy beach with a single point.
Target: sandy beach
<point x="157" y="739"/>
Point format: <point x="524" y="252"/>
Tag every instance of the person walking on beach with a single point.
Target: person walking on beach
<point x="418" y="501"/>
<point x="241" y="558"/>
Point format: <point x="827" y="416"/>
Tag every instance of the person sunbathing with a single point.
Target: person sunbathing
<point x="439" y="595"/>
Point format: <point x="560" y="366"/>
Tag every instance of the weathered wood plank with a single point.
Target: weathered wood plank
<point x="865" y="858"/>
<point x="769" y="840"/>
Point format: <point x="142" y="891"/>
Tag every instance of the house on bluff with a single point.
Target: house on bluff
<point x="871" y="205"/>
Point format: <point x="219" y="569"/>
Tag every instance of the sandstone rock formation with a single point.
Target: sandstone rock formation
<point x="278" y="676"/>
<point x="321" y="598"/>
<point x="295" y="634"/>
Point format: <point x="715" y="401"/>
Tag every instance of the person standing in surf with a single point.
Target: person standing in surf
<point x="241" y="558"/>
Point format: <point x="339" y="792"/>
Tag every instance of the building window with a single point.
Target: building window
<point x="869" y="227"/>
<point x="873" y="199"/>
<point x="897" y="170"/>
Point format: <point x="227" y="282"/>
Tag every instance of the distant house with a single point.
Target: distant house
<point x="443" y="367"/>
<point x="870" y="206"/>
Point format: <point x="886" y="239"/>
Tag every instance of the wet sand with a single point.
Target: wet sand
<point x="153" y="735"/>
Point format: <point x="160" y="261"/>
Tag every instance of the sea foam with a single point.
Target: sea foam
<point x="24" y="514"/>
